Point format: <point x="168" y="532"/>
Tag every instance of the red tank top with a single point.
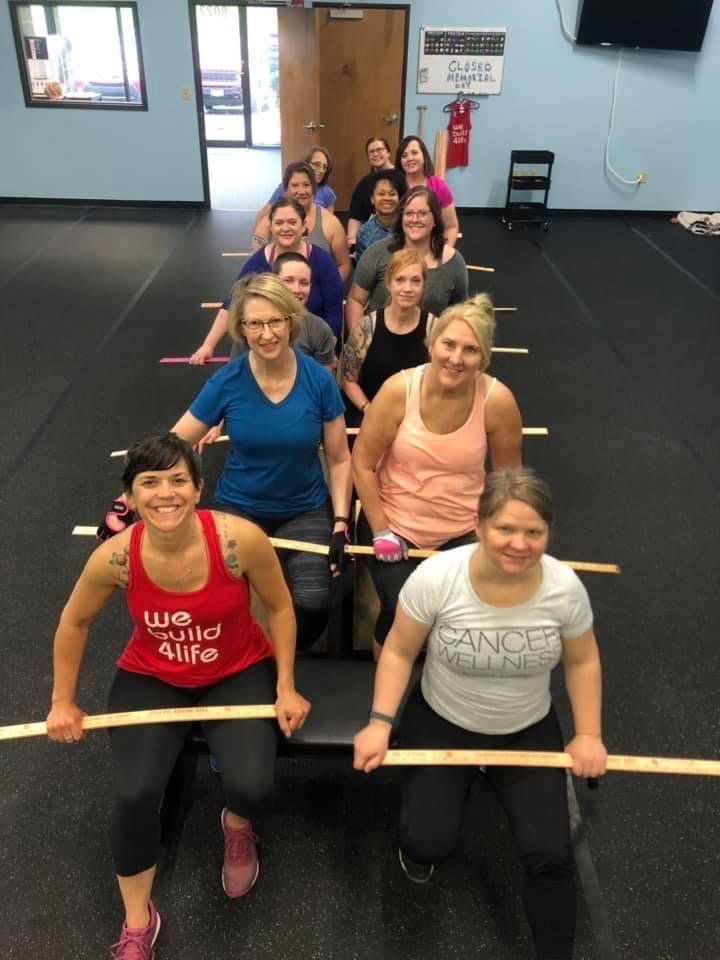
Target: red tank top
<point x="460" y="125"/>
<point x="191" y="639"/>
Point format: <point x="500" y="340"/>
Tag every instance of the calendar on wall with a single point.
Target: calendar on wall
<point x="461" y="60"/>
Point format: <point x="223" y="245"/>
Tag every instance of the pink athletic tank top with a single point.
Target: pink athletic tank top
<point x="429" y="482"/>
<point x="191" y="639"/>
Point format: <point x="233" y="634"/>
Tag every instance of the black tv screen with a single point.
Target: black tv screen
<point x="647" y="24"/>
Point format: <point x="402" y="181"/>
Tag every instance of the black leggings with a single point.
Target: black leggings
<point x="388" y="578"/>
<point x="307" y="574"/>
<point x="143" y="757"/>
<point x="533" y="798"/>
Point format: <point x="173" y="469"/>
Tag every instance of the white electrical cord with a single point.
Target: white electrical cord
<point x="565" y="30"/>
<point x="608" y="166"/>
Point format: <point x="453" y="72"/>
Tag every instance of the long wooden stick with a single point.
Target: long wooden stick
<point x="522" y="758"/>
<point x="361" y="550"/>
<point x="393" y="758"/>
<point x="237" y="254"/>
<point x="216" y="304"/>
<point x="471" y="266"/>
<point x="187" y="360"/>
<point x="133" y="718"/>
<point x="353" y="432"/>
<point x="583" y="566"/>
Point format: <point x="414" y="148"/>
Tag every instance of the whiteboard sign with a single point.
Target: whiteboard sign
<point x="461" y="60"/>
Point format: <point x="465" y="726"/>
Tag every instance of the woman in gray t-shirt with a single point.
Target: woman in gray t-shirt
<point x="497" y="617"/>
<point x="419" y="226"/>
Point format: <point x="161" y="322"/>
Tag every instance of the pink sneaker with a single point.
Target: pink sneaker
<point x="240" y="866"/>
<point x="138" y="944"/>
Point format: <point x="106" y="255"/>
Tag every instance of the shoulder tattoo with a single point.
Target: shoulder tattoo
<point x="120" y="560"/>
<point x="229" y="548"/>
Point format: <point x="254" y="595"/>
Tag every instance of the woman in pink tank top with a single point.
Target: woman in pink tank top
<point x="187" y="575"/>
<point x="419" y="459"/>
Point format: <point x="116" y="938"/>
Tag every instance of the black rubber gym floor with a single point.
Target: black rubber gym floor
<point x="621" y="316"/>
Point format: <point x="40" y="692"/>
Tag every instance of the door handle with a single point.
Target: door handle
<point x="312" y="126"/>
<point x="391" y="118"/>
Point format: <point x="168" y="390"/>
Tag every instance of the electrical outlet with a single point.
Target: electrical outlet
<point x="643" y="176"/>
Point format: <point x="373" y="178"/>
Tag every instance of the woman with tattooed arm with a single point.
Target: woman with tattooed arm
<point x="389" y="339"/>
<point x="187" y="575"/>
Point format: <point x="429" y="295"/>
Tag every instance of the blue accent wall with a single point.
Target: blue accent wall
<point x="555" y="96"/>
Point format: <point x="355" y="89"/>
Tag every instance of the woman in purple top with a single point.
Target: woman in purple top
<point x="287" y="229"/>
<point x="414" y="160"/>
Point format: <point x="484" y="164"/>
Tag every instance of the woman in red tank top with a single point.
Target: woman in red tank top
<point x="187" y="574"/>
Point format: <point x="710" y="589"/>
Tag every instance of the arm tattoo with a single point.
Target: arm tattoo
<point x="356" y="349"/>
<point x="229" y="546"/>
<point x="122" y="562"/>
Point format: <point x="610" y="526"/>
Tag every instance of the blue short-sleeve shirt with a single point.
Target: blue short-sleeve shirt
<point x="273" y="469"/>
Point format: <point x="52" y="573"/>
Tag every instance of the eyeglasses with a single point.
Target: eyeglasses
<point x="375" y="151"/>
<point x="318" y="165"/>
<point x="275" y="324"/>
<point x="417" y="214"/>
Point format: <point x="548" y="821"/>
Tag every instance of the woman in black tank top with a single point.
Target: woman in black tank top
<point x="390" y="339"/>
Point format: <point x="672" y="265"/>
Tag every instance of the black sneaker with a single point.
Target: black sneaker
<point x="417" y="872"/>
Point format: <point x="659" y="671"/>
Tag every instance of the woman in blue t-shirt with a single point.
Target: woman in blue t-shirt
<point x="278" y="405"/>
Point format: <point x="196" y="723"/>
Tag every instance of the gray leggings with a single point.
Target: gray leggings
<point x="307" y="574"/>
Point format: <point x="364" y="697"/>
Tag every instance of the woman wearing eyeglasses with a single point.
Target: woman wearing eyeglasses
<point x="414" y="160"/>
<point x="278" y="405"/>
<point x="419" y="227"/>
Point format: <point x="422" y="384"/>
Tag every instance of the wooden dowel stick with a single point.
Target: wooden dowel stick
<point x="361" y="550"/>
<point x="393" y="758"/>
<point x="101" y="721"/>
<point x="216" y="304"/>
<point x="583" y="566"/>
<point x="519" y="350"/>
<point x="187" y="360"/>
<point x="353" y="432"/>
<point x="237" y="254"/>
<point x="471" y="266"/>
<point x="523" y="758"/>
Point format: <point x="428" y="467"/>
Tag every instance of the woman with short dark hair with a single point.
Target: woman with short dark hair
<point x="187" y="575"/>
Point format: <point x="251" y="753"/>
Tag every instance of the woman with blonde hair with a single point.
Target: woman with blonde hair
<point x="389" y="339"/>
<point x="419" y="459"/>
<point x="278" y="405"/>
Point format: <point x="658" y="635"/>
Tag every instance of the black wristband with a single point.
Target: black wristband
<point x="341" y="520"/>
<point x="376" y="715"/>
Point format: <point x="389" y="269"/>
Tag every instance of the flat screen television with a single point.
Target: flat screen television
<point x="645" y="24"/>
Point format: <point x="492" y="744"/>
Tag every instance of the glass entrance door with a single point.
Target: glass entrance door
<point x="222" y="46"/>
<point x="238" y="53"/>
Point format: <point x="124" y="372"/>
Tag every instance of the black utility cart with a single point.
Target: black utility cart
<point x="523" y="181"/>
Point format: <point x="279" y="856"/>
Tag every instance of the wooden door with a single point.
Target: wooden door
<point x="298" y="82"/>
<point x="346" y="75"/>
<point x="360" y="75"/>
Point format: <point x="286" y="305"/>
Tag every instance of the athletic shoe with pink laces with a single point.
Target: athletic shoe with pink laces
<point x="138" y="944"/>
<point x="240" y="866"/>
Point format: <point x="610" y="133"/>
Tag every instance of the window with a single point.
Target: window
<point x="79" y="55"/>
